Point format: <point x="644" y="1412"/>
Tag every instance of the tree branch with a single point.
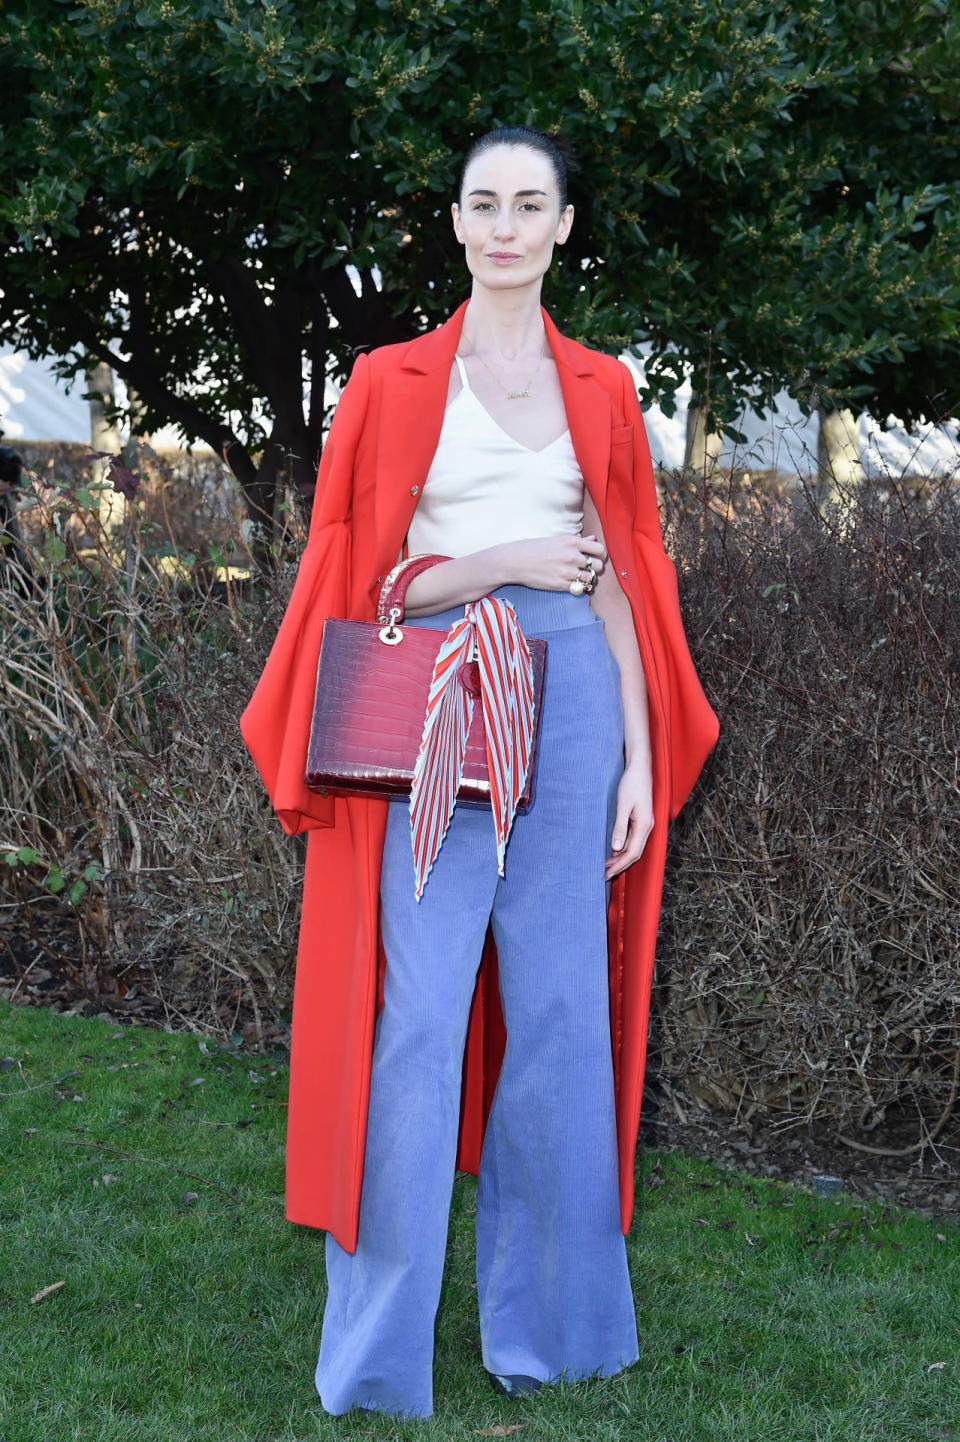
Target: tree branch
<point x="366" y="318"/>
<point x="317" y="353"/>
<point x="270" y="335"/>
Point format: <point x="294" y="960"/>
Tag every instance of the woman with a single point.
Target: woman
<point x="520" y="455"/>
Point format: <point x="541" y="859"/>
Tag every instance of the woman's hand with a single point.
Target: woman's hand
<point x="634" y="821"/>
<point x="546" y="563"/>
<point x="551" y="563"/>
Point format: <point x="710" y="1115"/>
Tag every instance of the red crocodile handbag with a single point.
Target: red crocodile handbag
<point x="373" y="680"/>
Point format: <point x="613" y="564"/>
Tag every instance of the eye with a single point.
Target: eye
<point x="482" y="205"/>
<point x="530" y="205"/>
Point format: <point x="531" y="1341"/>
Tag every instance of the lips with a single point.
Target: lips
<point x="502" y="256"/>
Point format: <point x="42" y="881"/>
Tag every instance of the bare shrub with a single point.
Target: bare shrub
<point x="809" y="961"/>
<point x="127" y="794"/>
<point x="810" y="951"/>
<point x="189" y="502"/>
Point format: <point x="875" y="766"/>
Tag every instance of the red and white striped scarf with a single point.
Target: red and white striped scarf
<point x="488" y="630"/>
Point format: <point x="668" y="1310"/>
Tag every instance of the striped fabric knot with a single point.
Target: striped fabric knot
<point x="489" y="632"/>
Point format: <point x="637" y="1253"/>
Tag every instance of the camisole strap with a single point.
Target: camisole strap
<point x="463" y="372"/>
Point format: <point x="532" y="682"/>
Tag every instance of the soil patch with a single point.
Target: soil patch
<point x="40" y="966"/>
<point x="927" y="1181"/>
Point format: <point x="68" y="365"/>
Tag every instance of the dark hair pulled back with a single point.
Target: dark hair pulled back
<point x="552" y="146"/>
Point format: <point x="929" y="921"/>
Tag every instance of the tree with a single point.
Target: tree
<point x="226" y="201"/>
<point x="839" y="469"/>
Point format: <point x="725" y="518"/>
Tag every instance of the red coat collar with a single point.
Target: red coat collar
<point x="414" y="399"/>
<point x="436" y="349"/>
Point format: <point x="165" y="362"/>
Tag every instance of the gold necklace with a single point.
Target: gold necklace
<point x="515" y="395"/>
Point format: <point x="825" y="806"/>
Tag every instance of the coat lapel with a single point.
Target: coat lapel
<point x="411" y="418"/>
<point x="588" y="410"/>
<point x="412" y="406"/>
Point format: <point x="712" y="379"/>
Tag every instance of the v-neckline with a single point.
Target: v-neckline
<point x="469" y="391"/>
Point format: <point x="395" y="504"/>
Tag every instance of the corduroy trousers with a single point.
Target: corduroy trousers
<point x="553" y="1288"/>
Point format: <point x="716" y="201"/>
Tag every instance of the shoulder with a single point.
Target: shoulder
<point x="382" y="360"/>
<point x="619" y="381"/>
<point x="372" y="367"/>
<point x="609" y="370"/>
<point x="363" y="389"/>
<point x="605" y="366"/>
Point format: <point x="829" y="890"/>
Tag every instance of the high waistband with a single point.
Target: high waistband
<point x="538" y="612"/>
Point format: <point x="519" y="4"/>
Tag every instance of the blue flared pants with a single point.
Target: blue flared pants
<point x="553" y="1288"/>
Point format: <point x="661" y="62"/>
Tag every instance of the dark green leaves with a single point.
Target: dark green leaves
<point x="771" y="187"/>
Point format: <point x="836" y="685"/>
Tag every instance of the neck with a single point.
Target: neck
<point x="506" y="321"/>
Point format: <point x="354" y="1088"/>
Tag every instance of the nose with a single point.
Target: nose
<point x="504" y="227"/>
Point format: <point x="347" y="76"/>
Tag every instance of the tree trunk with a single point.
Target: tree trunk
<point x="839" y="472"/>
<point x="136" y="408"/>
<point x="703" y="449"/>
<point x="259" y="487"/>
<point x="105" y="436"/>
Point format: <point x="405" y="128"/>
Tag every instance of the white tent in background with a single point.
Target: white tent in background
<point x="787" y="441"/>
<point x="35" y="406"/>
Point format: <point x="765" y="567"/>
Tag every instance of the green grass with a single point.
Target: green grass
<point x="765" y="1314"/>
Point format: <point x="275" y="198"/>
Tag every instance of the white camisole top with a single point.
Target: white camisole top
<point x="485" y="488"/>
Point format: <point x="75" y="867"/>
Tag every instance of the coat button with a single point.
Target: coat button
<point x="623" y="573"/>
<point x="414" y="490"/>
<point x="379" y="580"/>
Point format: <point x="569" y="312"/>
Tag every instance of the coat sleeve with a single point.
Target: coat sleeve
<point x="690" y="723"/>
<point x="276" y="722"/>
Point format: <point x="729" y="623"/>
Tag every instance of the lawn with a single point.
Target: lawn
<point x="143" y="1171"/>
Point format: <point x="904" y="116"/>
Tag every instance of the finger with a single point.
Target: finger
<point x="620" y="863"/>
<point x="635" y="849"/>
<point x="636" y="845"/>
<point x="616" y="864"/>
<point x="621" y="826"/>
<point x="632" y="848"/>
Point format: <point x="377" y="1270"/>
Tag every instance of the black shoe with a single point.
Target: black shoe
<point x="514" y="1387"/>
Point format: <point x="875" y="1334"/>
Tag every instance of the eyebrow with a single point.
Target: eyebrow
<point x="519" y="192"/>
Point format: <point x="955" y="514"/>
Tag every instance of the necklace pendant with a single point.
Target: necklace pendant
<point x="517" y="395"/>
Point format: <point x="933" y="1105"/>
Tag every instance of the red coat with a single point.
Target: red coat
<point x="376" y="457"/>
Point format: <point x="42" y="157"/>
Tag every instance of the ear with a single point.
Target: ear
<point x="566" y="221"/>
<point x="457" y="223"/>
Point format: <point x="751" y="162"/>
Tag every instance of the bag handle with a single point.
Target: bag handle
<point x="395" y="586"/>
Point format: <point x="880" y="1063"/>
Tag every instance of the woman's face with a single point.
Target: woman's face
<point x="509" y="218"/>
